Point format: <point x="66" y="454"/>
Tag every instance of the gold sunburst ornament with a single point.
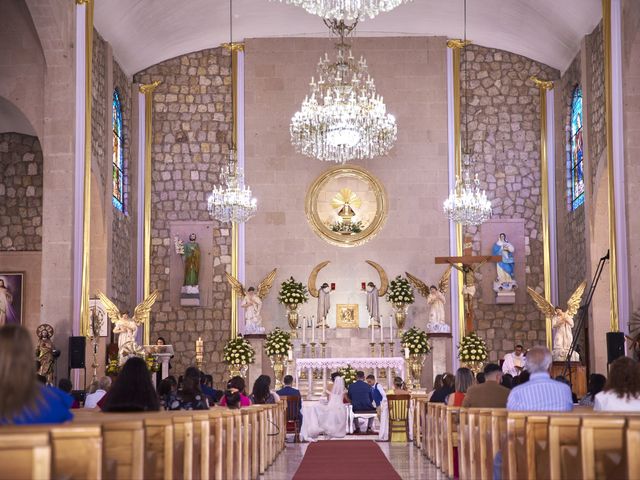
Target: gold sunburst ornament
<point x="346" y="197"/>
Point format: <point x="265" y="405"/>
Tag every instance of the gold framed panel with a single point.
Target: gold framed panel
<point x="347" y="316"/>
<point x="343" y="197"/>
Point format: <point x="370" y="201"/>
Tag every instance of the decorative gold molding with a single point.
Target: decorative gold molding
<point x="233" y="47"/>
<point x="543" y="86"/>
<point x="84" y="2"/>
<point x="86" y="214"/>
<point x="235" y="234"/>
<point x="456" y="46"/>
<point x="147" y="90"/>
<point x="613" y="253"/>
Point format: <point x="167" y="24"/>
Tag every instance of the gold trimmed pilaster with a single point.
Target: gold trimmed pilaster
<point x="456" y="46"/>
<point x="147" y="90"/>
<point x="545" y="86"/>
<point x="613" y="255"/>
<point x="86" y="194"/>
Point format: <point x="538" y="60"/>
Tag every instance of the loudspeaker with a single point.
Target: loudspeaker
<point x="76" y="352"/>
<point x="615" y="345"/>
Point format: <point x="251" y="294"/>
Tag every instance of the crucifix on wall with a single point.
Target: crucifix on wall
<point x="468" y="264"/>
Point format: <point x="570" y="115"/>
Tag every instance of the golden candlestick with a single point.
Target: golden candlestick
<point x="199" y="353"/>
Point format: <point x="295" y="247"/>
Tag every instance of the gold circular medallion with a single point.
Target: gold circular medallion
<point x="346" y="206"/>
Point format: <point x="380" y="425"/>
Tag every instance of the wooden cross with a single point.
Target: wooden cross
<point x="468" y="264"/>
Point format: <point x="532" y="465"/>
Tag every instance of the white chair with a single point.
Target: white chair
<point x="351" y="416"/>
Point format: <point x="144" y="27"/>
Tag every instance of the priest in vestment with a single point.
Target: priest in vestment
<point x="515" y="362"/>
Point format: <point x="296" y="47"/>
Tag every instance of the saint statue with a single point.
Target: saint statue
<point x="324" y="304"/>
<point x="561" y="321"/>
<point x="126" y="327"/>
<point x="44" y="352"/>
<point x="7" y="312"/>
<point x="252" y="301"/>
<point x="373" y="306"/>
<point x="505" y="278"/>
<point x="436" y="299"/>
<point x="190" y="252"/>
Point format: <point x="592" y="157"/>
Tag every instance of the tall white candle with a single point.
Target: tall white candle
<point x="371" y="327"/>
<point x="304" y="329"/>
<point x="381" y="333"/>
<point x="290" y="354"/>
<point x="313" y="329"/>
<point x="391" y="328"/>
<point x="324" y="323"/>
<point x="406" y="352"/>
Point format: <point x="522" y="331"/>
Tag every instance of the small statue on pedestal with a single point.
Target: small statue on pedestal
<point x="436" y="300"/>
<point x="252" y="301"/>
<point x="505" y="283"/>
<point x="190" y="253"/>
<point x="44" y="351"/>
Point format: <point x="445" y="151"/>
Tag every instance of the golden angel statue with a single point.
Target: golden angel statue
<point x="561" y="321"/>
<point x="126" y="327"/>
<point x="252" y="301"/>
<point x="435" y="296"/>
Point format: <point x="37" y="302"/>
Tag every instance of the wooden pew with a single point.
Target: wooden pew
<point x="537" y="440"/>
<point x="473" y="444"/>
<point x="123" y="445"/>
<point x="216" y="441"/>
<point x="452" y="423"/>
<point x="439" y="429"/>
<point x="182" y="446"/>
<point x="602" y="447"/>
<point x="76" y="451"/>
<point x="633" y="440"/>
<point x="463" y="445"/>
<point x="564" y="447"/>
<point x="499" y="439"/>
<point x="516" y="445"/>
<point x="24" y="454"/>
<point x="158" y="442"/>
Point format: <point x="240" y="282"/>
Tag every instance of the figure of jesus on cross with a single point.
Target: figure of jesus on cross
<point x="468" y="264"/>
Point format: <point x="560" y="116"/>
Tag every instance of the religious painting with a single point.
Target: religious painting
<point x="11" y="295"/>
<point x="98" y="320"/>
<point x="346" y="206"/>
<point x="347" y="316"/>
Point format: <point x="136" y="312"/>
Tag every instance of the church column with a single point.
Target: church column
<point x="145" y="102"/>
<point x="619" y="277"/>
<point x="547" y="165"/>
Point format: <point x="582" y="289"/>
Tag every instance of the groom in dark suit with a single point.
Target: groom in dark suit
<point x="361" y="400"/>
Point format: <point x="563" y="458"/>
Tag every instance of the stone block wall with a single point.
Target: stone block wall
<point x="100" y="148"/>
<point x="191" y="134"/>
<point x="20" y="192"/>
<point x="502" y="110"/>
<point x="596" y="123"/>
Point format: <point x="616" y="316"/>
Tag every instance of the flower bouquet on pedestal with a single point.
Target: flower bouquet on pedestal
<point x="238" y="354"/>
<point x="415" y="344"/>
<point x="472" y="352"/>
<point x="400" y="294"/>
<point x="277" y="346"/>
<point x="291" y="295"/>
<point x="348" y="374"/>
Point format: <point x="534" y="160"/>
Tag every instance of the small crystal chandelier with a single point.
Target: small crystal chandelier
<point x="233" y="202"/>
<point x="467" y="204"/>
<point x="343" y="118"/>
<point x="346" y="10"/>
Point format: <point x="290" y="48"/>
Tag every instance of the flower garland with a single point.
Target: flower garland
<point x="152" y="363"/>
<point x="472" y="348"/>
<point x="292" y="293"/>
<point x="113" y="367"/>
<point x="238" y="351"/>
<point x="400" y="291"/>
<point x="278" y="342"/>
<point x="348" y="374"/>
<point x="416" y="341"/>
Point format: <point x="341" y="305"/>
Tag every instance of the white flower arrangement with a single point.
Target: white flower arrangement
<point x="400" y="291"/>
<point x="292" y="293"/>
<point x="278" y="342"/>
<point x="238" y="351"/>
<point x="416" y="341"/>
<point x="472" y="348"/>
<point x="348" y="374"/>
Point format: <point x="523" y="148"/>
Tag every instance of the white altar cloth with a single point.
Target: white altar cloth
<point x="334" y="363"/>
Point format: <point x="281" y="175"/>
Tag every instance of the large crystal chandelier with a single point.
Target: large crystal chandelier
<point x="233" y="201"/>
<point x="348" y="10"/>
<point x="467" y="204"/>
<point x="343" y="118"/>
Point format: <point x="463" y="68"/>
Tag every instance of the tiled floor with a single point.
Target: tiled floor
<point x="405" y="458"/>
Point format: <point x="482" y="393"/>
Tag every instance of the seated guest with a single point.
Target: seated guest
<point x="480" y="378"/>
<point x="288" y="390"/>
<point x="464" y="379"/>
<point x="132" y="391"/>
<point x="236" y="385"/>
<point x="262" y="393"/>
<point x="447" y="388"/>
<point x="360" y="394"/>
<point x="23" y="400"/>
<point x="232" y="399"/>
<point x="191" y="396"/>
<point x="489" y="394"/>
<point x="595" y="386"/>
<point x="66" y="386"/>
<point x="507" y="381"/>
<point x="437" y="384"/>
<point x="515" y="362"/>
<point x="622" y="391"/>
<point x="399" y="387"/>
<point x="541" y="392"/>
<point x="168" y="393"/>
<point x="206" y="384"/>
<point x="92" y="399"/>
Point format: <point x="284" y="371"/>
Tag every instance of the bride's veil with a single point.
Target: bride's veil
<point x="337" y="393"/>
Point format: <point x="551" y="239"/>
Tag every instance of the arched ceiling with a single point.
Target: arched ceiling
<point x="13" y="120"/>
<point x="146" y="32"/>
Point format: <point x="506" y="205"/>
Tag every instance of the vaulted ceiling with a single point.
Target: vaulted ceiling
<point x="146" y="32"/>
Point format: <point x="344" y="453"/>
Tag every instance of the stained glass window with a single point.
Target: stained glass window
<point x="576" y="150"/>
<point x="118" y="153"/>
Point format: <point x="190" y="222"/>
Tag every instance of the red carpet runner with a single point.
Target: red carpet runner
<point x="349" y="460"/>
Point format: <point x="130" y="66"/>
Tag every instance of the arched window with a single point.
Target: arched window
<point x="576" y="150"/>
<point x="118" y="153"/>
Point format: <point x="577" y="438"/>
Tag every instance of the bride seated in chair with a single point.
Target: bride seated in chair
<point x="328" y="418"/>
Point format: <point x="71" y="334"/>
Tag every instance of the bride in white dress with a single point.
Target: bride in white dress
<point x="329" y="419"/>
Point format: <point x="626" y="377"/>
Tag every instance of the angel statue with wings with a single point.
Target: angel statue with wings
<point x="435" y="296"/>
<point x="126" y="327"/>
<point x="561" y="321"/>
<point x="252" y="301"/>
